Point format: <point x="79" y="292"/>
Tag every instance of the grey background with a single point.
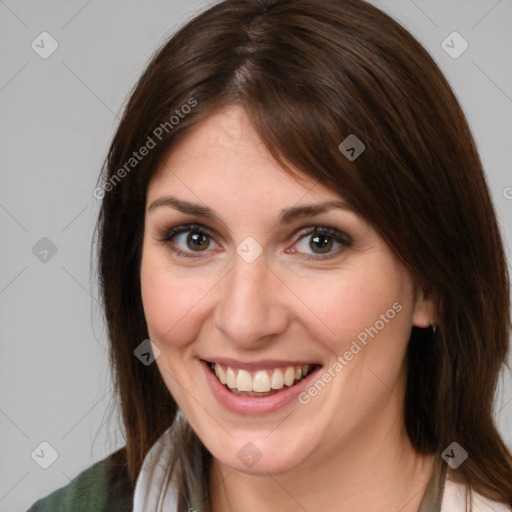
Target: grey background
<point x="57" y="118"/>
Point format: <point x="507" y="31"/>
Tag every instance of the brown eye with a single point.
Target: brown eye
<point x="321" y="244"/>
<point x="197" y="241"/>
<point x="189" y="240"/>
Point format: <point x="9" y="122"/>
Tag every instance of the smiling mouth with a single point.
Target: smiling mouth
<point x="260" y="383"/>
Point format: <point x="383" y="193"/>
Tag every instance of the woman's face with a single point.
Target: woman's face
<point x="247" y="267"/>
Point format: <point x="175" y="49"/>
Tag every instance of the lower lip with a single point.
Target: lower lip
<point x="254" y="405"/>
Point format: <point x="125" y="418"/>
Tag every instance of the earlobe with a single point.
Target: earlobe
<point x="424" y="311"/>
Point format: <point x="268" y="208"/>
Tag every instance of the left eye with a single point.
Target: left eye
<point x="321" y="241"/>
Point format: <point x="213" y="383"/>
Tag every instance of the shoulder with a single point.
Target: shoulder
<point x="455" y="497"/>
<point x="102" y="487"/>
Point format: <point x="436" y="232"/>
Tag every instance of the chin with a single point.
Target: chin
<point x="260" y="456"/>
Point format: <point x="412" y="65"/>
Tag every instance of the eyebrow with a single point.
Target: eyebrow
<point x="286" y="215"/>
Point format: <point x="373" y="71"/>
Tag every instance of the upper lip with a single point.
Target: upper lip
<point x="262" y="364"/>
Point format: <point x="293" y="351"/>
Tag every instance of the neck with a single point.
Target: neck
<point x="378" y="471"/>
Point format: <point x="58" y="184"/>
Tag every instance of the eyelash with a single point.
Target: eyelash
<point x="338" y="236"/>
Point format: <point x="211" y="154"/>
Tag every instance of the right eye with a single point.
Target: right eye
<point x="184" y="241"/>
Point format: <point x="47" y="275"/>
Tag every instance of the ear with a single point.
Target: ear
<point x="424" y="309"/>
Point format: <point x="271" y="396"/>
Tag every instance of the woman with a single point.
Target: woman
<point x="296" y="216"/>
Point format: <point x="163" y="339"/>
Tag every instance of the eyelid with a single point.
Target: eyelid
<point x="323" y="229"/>
<point x="168" y="233"/>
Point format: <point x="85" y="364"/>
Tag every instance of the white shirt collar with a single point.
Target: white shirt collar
<point x="455" y="497"/>
<point x="153" y="491"/>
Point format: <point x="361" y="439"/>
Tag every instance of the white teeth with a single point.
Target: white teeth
<point x="230" y="377"/>
<point x="243" y="381"/>
<point x="277" y="379"/>
<point x="260" y="381"/>
<point x="289" y="376"/>
<point x="221" y="374"/>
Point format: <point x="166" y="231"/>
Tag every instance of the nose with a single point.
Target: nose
<point x="250" y="310"/>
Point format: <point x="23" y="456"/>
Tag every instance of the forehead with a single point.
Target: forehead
<point x="224" y="158"/>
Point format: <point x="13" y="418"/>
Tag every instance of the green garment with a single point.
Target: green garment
<point x="103" y="487"/>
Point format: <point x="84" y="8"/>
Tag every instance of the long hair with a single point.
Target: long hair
<point x="309" y="73"/>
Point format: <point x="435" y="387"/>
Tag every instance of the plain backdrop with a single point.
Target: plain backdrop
<point x="58" y="115"/>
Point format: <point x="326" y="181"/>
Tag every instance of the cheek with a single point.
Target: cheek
<point x="357" y="305"/>
<point x="363" y="319"/>
<point x="172" y="301"/>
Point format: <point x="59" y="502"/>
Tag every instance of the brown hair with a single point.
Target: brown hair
<point x="309" y="73"/>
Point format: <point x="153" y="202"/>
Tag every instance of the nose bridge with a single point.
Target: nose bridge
<point x="248" y="308"/>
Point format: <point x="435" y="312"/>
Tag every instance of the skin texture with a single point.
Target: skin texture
<point x="345" y="448"/>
